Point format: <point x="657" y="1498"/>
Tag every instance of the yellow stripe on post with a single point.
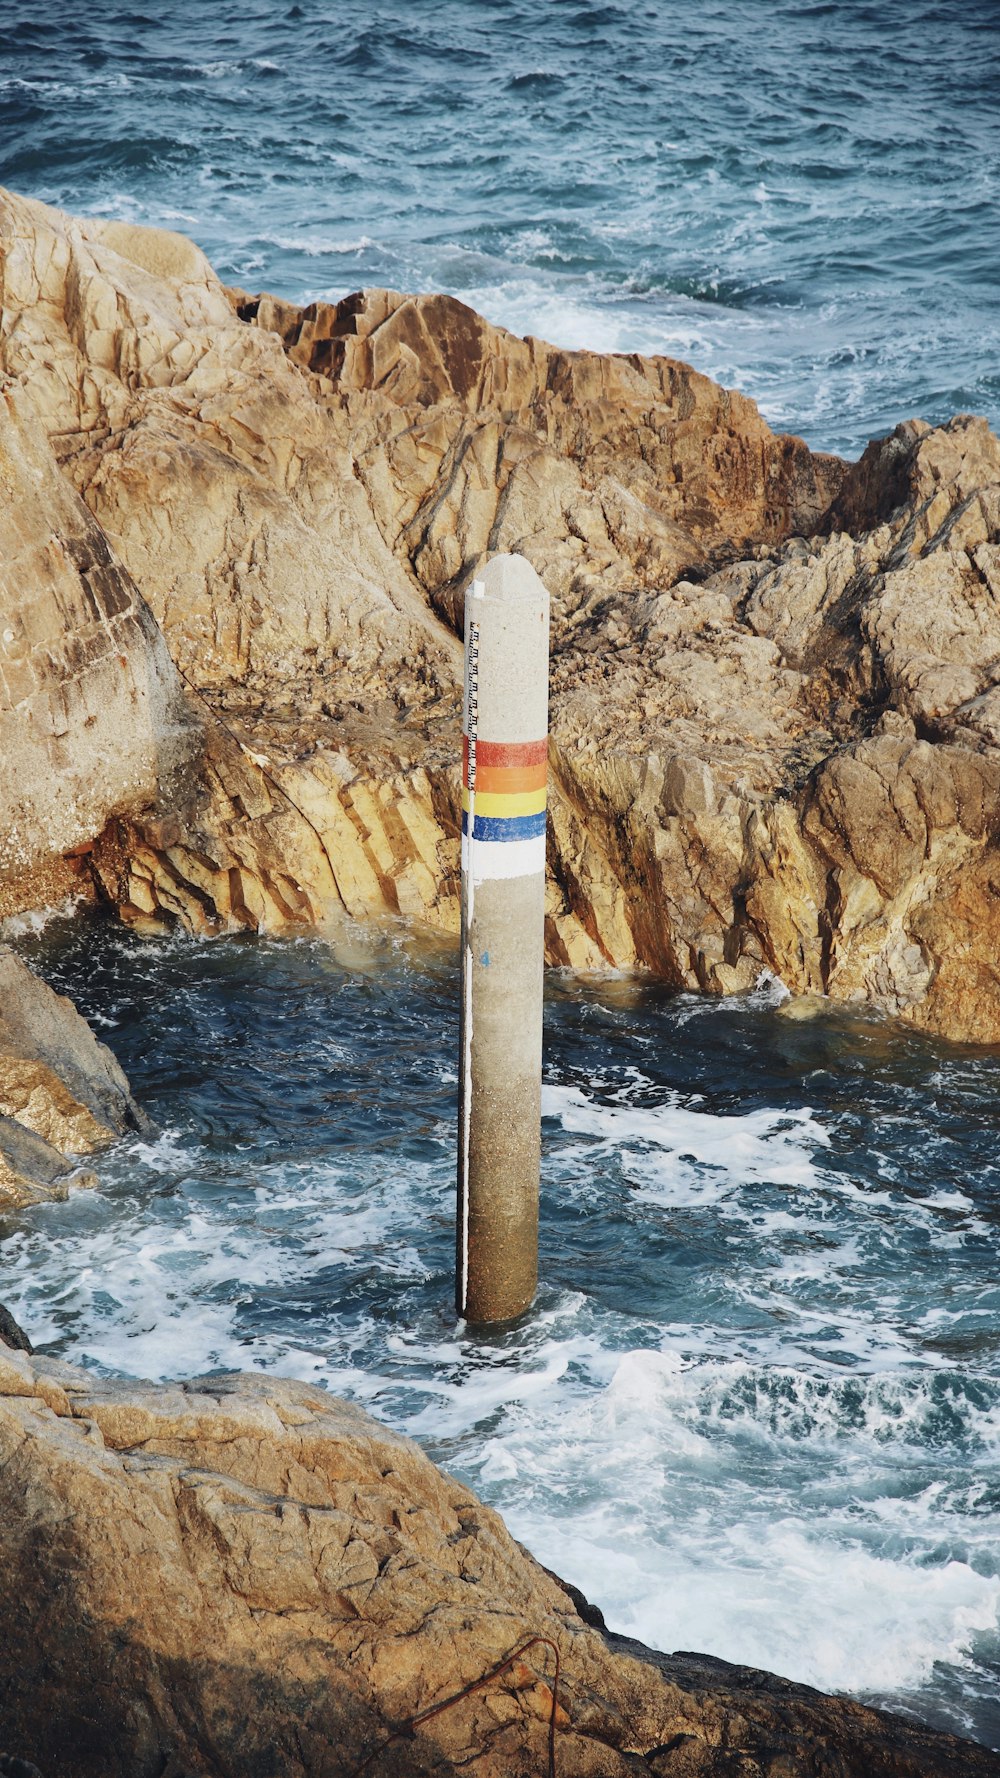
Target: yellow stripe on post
<point x="495" y="802"/>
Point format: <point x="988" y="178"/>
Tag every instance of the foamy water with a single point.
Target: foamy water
<point x="756" y="1411"/>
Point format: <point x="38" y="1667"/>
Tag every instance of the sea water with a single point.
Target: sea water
<point x="756" y="1409"/>
<point x="799" y="197"/>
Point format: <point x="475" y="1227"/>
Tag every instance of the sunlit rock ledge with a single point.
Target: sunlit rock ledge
<point x="236" y="537"/>
<point x="243" y="1574"/>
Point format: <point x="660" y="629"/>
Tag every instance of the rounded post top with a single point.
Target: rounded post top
<point x="508" y="579"/>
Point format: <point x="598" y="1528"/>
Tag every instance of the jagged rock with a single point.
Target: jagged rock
<point x="11" y="1334"/>
<point x="31" y="1170"/>
<point x="582" y="463"/>
<point x="784" y="762"/>
<point x="55" y="1077"/>
<point x="244" y="1575"/>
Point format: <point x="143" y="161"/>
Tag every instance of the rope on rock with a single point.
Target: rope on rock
<point x="412" y="1723"/>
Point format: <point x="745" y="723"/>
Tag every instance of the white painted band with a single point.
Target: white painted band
<point x="496" y="861"/>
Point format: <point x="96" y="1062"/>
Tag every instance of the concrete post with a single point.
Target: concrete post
<point x="505" y="746"/>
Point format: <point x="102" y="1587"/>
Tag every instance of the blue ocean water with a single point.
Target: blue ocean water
<point x="800" y="198"/>
<point x="756" y="1410"/>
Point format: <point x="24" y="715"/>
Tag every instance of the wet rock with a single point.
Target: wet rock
<point x="12" y="1767"/>
<point x="11" y="1334"/>
<point x="55" y="1077"/>
<point x="31" y="1170"/>
<point x="243" y="1574"/>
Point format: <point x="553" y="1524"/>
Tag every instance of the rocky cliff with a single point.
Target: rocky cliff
<point x="243" y="1575"/>
<point x="774" y="677"/>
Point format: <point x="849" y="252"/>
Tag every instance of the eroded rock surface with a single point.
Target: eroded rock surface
<point x="775" y="681"/>
<point x="243" y="1575"/>
<point x="93" y="718"/>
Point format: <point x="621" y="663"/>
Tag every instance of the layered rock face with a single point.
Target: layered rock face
<point x="774" y="739"/>
<point x="243" y="1575"/>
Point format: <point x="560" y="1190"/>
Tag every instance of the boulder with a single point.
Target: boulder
<point x="244" y="1575"/>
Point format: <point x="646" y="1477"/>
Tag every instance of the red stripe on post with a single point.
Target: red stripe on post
<point x="506" y="753"/>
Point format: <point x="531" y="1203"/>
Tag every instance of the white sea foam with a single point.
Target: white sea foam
<point x="35" y="921"/>
<point x="678" y="1145"/>
<point x="162" y="1295"/>
<point x="796" y="1477"/>
<point x="318" y="246"/>
<point x="782" y="1597"/>
<point x="627" y="1493"/>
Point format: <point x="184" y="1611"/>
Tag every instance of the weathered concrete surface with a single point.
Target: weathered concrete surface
<point x="775" y="685"/>
<point x="503" y="938"/>
<point x="243" y="1575"/>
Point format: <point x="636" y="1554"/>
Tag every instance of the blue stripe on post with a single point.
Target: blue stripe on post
<point x="506" y="827"/>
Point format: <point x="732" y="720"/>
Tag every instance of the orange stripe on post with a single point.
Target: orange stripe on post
<point x="506" y="780"/>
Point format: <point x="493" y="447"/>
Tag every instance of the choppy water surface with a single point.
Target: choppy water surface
<point x="756" y="1411"/>
<point x="800" y="198"/>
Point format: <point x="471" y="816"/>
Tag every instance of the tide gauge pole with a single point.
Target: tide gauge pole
<point x="505" y="750"/>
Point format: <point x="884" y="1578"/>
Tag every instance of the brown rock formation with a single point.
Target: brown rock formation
<point x="776" y="739"/>
<point x="243" y="1575"/>
<point x="54" y="1075"/>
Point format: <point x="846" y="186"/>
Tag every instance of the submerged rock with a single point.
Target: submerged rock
<point x="775" y="695"/>
<point x="243" y="1574"/>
